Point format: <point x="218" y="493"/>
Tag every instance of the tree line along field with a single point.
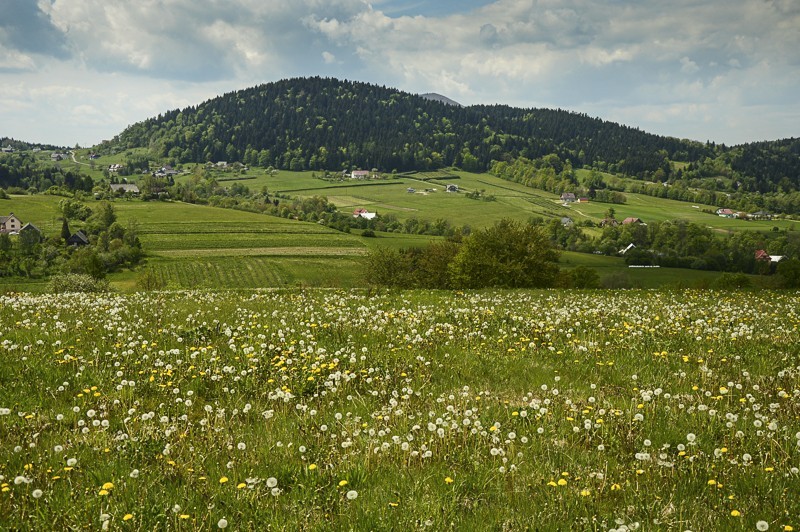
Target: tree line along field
<point x="334" y="409"/>
<point x="193" y="245"/>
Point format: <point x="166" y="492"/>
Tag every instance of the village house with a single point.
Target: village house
<point x="725" y="213"/>
<point x="122" y="188"/>
<point x="30" y="228"/>
<point x="55" y="156"/>
<point x="359" y="174"/>
<point x="763" y="256"/>
<point x="760" y="215"/>
<point x="566" y="221"/>
<point x="568" y="197"/>
<point x="8" y="149"/>
<point x="115" y="168"/>
<point x="10" y="224"/>
<point x="451" y="188"/>
<point x="364" y="213"/>
<point x="632" y="220"/>
<point x="79" y="238"/>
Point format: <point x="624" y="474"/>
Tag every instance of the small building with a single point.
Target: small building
<point x="359" y="174"/>
<point x="609" y="222"/>
<point x="55" y="156"/>
<point x="725" y="213"/>
<point x="411" y="190"/>
<point x="8" y="149"/>
<point x="123" y="188"/>
<point x="566" y="221"/>
<point x="632" y="220"/>
<point x="760" y="215"/>
<point x="29" y="228"/>
<point x="568" y="197"/>
<point x="451" y="188"/>
<point x="364" y="213"/>
<point x="79" y="238"/>
<point x="113" y="168"/>
<point x="763" y="256"/>
<point x="10" y="224"/>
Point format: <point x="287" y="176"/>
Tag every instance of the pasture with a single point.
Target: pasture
<point x="330" y="410"/>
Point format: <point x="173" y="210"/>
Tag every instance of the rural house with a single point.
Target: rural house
<point x="78" y="239"/>
<point x="632" y="220"/>
<point x="10" y="224"/>
<point x="451" y="188"/>
<point x="30" y="228"/>
<point x="359" y="174"/>
<point x="568" y="197"/>
<point x="364" y="213"/>
<point x="725" y="213"/>
<point x="122" y="188"/>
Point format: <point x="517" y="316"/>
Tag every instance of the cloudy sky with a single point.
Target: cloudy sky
<point x="79" y="71"/>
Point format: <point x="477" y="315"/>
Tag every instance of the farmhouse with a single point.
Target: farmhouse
<point x="359" y="174"/>
<point x="451" y="188"/>
<point x="760" y="215"/>
<point x="78" y="239"/>
<point x="632" y="220"/>
<point x="8" y="149"/>
<point x="568" y="197"/>
<point x="10" y="224"/>
<point x="763" y="256"/>
<point x="29" y="228"/>
<point x="122" y="188"/>
<point x="725" y="213"/>
<point x="55" y="156"/>
<point x="566" y="221"/>
<point x="114" y="167"/>
<point x="364" y="213"/>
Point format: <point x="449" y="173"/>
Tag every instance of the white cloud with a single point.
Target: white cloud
<point x="684" y="64"/>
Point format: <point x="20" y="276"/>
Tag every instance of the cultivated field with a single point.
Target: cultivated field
<point x="331" y="410"/>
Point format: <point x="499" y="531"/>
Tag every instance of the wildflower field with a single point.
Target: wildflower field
<point x="338" y="410"/>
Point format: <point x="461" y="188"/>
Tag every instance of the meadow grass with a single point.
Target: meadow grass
<point x="354" y="410"/>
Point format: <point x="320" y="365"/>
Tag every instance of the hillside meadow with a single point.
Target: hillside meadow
<point x="197" y="246"/>
<point x="340" y="410"/>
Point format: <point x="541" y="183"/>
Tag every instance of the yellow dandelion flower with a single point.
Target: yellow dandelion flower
<point x="102" y="493"/>
<point x="312" y="467"/>
<point x="241" y="485"/>
<point x="562" y="482"/>
<point x="736" y="513"/>
<point x="712" y="482"/>
<point x="223" y="480"/>
<point x="108" y="486"/>
<point x="342" y="483"/>
<point x="127" y="517"/>
<point x="448" y="480"/>
<point x="184" y="516"/>
<point x="585" y="493"/>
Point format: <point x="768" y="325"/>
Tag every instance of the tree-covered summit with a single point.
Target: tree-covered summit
<point x="323" y="123"/>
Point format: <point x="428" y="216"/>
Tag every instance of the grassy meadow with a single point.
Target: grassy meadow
<point x="348" y="410"/>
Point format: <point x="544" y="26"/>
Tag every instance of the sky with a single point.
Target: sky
<point x="728" y="71"/>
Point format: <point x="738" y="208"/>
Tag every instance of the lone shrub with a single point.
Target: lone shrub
<point x="76" y="282"/>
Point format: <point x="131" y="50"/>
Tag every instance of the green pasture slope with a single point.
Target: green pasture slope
<point x="192" y="246"/>
<point x="512" y="200"/>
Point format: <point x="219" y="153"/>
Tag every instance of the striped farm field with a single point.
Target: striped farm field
<point x="246" y="272"/>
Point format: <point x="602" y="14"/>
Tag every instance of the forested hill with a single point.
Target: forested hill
<point x="322" y="123"/>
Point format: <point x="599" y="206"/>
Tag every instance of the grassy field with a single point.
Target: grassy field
<point x="194" y="245"/>
<point x="348" y="410"/>
<point x="511" y="200"/>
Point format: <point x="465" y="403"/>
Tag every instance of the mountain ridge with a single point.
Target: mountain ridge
<point x="328" y="124"/>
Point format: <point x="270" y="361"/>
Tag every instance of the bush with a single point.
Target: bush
<point x="732" y="281"/>
<point x="149" y="280"/>
<point x="76" y="282"/>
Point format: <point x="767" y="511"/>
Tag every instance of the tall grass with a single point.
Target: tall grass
<point x="320" y="409"/>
